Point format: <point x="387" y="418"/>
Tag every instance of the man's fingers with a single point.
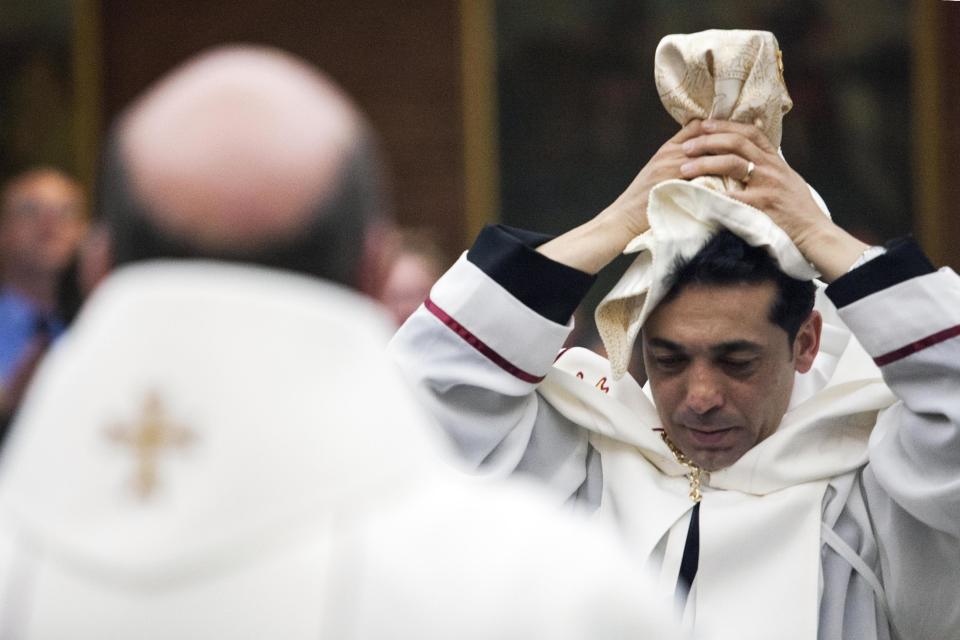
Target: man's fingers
<point x="755" y="135"/>
<point x="692" y="129"/>
<point x="729" y="164"/>
<point x="723" y="143"/>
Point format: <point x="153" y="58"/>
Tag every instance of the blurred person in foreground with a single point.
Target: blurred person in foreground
<point x="42" y="221"/>
<point x="221" y="449"/>
<point x="792" y="469"/>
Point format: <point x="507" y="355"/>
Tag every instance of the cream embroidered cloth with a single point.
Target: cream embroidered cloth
<point x="730" y="75"/>
<point x="733" y="75"/>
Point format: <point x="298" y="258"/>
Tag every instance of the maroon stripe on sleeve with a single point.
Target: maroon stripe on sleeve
<point x="919" y="345"/>
<point x="479" y="345"/>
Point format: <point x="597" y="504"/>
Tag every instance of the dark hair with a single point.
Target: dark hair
<point x="327" y="246"/>
<point x="728" y="259"/>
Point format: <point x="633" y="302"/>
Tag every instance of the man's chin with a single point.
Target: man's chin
<point x="711" y="463"/>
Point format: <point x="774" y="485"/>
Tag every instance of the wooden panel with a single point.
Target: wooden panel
<point x="482" y="154"/>
<point x="947" y="127"/>
<point x="88" y="103"/>
<point x="936" y="161"/>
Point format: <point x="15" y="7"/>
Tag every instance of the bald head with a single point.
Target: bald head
<point x="244" y="154"/>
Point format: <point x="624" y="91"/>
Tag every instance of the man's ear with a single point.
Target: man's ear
<point x="807" y="343"/>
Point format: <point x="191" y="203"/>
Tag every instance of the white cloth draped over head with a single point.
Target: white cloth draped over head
<point x="760" y="518"/>
<point x="733" y="75"/>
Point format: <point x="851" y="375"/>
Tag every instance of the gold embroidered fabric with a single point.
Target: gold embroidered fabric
<point x="151" y="435"/>
<point x="725" y="74"/>
<point x="735" y="75"/>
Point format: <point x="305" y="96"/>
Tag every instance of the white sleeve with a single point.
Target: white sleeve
<point x="478" y="353"/>
<point x="912" y="481"/>
<point x="912" y="330"/>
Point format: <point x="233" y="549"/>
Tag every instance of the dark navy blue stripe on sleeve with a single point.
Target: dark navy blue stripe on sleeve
<point x="509" y="256"/>
<point x="903" y="260"/>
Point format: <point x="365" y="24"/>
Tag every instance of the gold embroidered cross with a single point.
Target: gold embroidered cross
<point x="151" y="434"/>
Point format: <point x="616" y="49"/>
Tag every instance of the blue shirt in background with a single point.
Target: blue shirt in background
<point x="20" y="323"/>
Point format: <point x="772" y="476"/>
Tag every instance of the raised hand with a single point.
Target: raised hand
<point x="742" y="152"/>
<point x="593" y="245"/>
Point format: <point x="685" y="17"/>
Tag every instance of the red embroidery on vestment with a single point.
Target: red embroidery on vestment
<point x="479" y="344"/>
<point x="919" y="345"/>
<point x="602" y="385"/>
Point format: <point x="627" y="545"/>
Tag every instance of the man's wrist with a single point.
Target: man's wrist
<point x="869" y="254"/>
<point x="831" y="250"/>
<point x="902" y="260"/>
<point x="591" y="246"/>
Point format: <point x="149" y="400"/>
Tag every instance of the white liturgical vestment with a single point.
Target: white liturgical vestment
<point x="226" y="452"/>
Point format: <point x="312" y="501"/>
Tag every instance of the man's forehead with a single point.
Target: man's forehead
<point x="44" y="184"/>
<point x="714" y="315"/>
<point x="724" y="347"/>
<point x="43" y="187"/>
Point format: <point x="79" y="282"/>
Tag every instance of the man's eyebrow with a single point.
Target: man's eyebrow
<point x="665" y="344"/>
<point x="735" y="346"/>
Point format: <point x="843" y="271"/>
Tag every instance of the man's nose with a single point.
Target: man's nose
<point x="704" y="390"/>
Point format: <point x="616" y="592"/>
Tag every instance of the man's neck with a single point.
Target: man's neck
<point x="40" y="289"/>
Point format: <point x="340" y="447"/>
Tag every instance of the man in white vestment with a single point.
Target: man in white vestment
<point x="220" y="447"/>
<point x="792" y="469"/>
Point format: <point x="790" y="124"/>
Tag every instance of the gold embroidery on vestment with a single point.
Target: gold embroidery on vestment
<point x="147" y="438"/>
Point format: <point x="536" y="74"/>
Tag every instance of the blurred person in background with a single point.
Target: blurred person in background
<point x="42" y="222"/>
<point x="222" y="449"/>
<point x="418" y="263"/>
